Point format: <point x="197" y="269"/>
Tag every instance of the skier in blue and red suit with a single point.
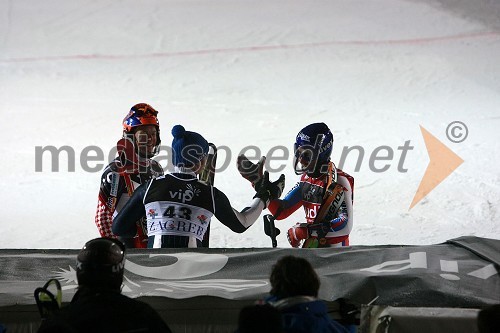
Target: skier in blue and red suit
<point x="327" y="227"/>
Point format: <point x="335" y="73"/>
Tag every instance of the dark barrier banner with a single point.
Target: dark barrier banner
<point x="459" y="273"/>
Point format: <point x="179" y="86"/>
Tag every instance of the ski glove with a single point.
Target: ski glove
<point x="250" y="171"/>
<point x="128" y="159"/>
<point x="267" y="191"/>
<point x="297" y="234"/>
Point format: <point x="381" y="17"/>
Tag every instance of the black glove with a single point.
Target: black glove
<point x="250" y="171"/>
<point x="267" y="191"/>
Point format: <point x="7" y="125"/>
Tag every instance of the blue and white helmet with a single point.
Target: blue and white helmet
<point x="141" y="114"/>
<point x="313" y="148"/>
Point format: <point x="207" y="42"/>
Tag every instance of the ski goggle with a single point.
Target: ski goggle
<point x="144" y="110"/>
<point x="305" y="159"/>
<point x="304" y="153"/>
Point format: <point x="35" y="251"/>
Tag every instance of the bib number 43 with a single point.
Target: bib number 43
<point x="179" y="212"/>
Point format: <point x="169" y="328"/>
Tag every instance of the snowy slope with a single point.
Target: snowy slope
<point x="253" y="73"/>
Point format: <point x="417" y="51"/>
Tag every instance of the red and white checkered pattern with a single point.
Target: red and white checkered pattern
<point x="104" y="220"/>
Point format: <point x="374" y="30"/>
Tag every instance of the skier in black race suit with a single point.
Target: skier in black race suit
<point x="179" y="207"/>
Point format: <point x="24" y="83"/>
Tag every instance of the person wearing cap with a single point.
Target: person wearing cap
<point x="98" y="305"/>
<point x="179" y="207"/>
<point x="132" y="167"/>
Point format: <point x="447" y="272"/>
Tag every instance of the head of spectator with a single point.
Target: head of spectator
<point x="100" y="264"/>
<point x="293" y="276"/>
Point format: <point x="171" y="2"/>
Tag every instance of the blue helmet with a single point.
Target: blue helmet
<point x="313" y="148"/>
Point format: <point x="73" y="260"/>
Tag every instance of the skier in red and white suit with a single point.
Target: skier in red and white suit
<point x="313" y="147"/>
<point x="132" y="167"/>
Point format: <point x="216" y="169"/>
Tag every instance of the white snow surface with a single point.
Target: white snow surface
<point x="247" y="73"/>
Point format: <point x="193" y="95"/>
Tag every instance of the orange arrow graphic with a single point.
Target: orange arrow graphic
<point x="442" y="162"/>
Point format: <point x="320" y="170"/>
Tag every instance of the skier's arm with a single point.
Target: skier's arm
<point x="236" y="221"/>
<point x="103" y="218"/>
<point x="341" y="220"/>
<point x="254" y="173"/>
<point x="241" y="221"/>
<point x="288" y="205"/>
<point x="124" y="224"/>
<point x="299" y="232"/>
<point x="107" y="201"/>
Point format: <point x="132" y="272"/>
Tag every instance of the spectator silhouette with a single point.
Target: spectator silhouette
<point x="98" y="305"/>
<point x="262" y="318"/>
<point x="488" y="319"/>
<point x="294" y="292"/>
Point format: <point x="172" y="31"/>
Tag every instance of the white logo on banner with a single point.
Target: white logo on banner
<point x="419" y="260"/>
<point x="188" y="265"/>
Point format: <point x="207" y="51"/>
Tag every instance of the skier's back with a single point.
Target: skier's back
<point x="179" y="207"/>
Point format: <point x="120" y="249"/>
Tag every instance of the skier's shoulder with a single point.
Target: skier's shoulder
<point x="189" y="178"/>
<point x="113" y="166"/>
<point x="110" y="171"/>
<point x="174" y="182"/>
<point x="340" y="172"/>
<point x="345" y="179"/>
<point x="216" y="191"/>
